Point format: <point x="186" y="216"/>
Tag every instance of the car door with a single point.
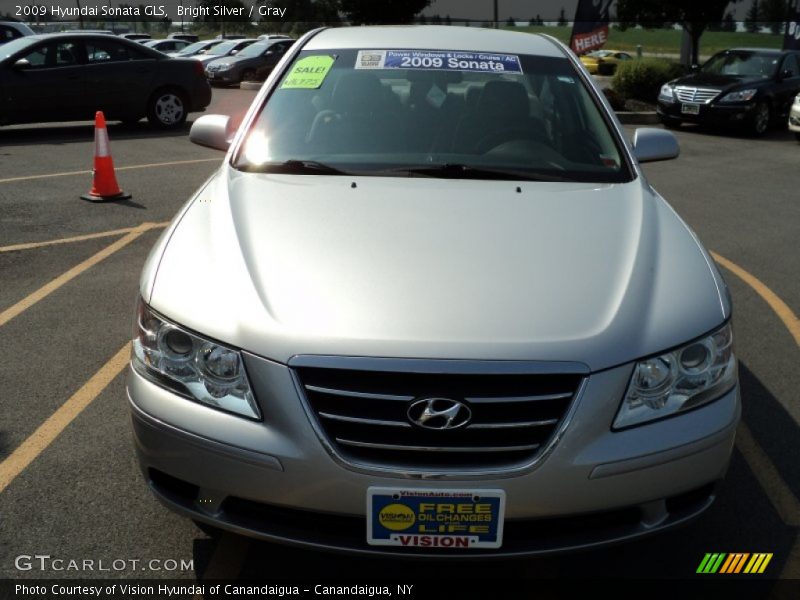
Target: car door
<point x="46" y="82"/>
<point x="118" y="77"/>
<point x="788" y="85"/>
<point x="275" y="52"/>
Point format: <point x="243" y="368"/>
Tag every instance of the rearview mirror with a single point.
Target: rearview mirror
<point x="650" y="144"/>
<point x="212" y="131"/>
<point x="22" y="63"/>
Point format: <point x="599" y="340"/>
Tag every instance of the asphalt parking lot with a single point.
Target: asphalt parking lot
<point x="69" y="484"/>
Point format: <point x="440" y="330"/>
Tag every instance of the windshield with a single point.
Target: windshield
<point x="743" y="63"/>
<point x="487" y="116"/>
<point x="15" y="46"/>
<point x="151" y="43"/>
<point x="223" y="48"/>
<point x="254" y="50"/>
<point x="192" y="48"/>
<point x="600" y="53"/>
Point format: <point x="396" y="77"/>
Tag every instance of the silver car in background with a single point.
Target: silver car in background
<point x="430" y="305"/>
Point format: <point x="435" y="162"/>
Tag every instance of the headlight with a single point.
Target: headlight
<point x="682" y="379"/>
<point x="194" y="367"/>
<point x="740" y="96"/>
<point x="667" y="94"/>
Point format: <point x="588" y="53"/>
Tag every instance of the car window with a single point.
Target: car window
<point x="534" y="118"/>
<point x="54" y="54"/>
<point x="749" y="64"/>
<point x="8" y="33"/>
<point x="104" y="51"/>
<point x="791" y="65"/>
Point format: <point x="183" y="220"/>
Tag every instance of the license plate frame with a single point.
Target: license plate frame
<point x="449" y="519"/>
<point x="690" y="109"/>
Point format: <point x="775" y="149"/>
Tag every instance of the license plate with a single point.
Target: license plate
<point x="434" y="518"/>
<point x="690" y="109"/>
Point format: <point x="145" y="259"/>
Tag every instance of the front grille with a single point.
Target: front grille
<point x="364" y="416"/>
<point x="695" y="95"/>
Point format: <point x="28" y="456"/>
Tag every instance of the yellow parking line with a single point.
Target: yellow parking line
<point x="780" y="495"/>
<point x="77" y="238"/>
<point x="128" y="168"/>
<point x="780" y="308"/>
<point x="48" y="431"/>
<point x="49" y="288"/>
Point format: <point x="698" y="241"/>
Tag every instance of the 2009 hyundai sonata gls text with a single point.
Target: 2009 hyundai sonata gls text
<point x="429" y="304"/>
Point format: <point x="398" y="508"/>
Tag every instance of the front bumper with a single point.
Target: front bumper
<point x="708" y="114"/>
<point x="230" y="76"/>
<point x="794" y="118"/>
<point x="275" y="480"/>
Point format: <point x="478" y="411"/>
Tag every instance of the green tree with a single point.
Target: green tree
<point x="752" y="17"/>
<point x="694" y="16"/>
<point x="562" y="18"/>
<point x="774" y="13"/>
<point x="510" y="22"/>
<point x="360" y="12"/>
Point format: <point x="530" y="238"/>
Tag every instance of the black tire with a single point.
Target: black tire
<point x="797" y="136"/>
<point x="167" y="108"/>
<point x="249" y="75"/>
<point x="759" y="122"/>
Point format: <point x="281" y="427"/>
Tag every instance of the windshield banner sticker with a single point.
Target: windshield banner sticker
<point x="434" y="60"/>
<point x="308" y="73"/>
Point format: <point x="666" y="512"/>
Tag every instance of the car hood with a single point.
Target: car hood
<point x="283" y="265"/>
<point x="720" y="82"/>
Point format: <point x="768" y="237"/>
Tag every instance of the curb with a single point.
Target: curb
<point x="638" y="118"/>
<point x="251" y="85"/>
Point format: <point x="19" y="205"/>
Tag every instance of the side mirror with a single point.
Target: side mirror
<point x="785" y="74"/>
<point x="650" y="144"/>
<point x="22" y="64"/>
<point x="234" y="52"/>
<point x="212" y="131"/>
<point x="694" y="68"/>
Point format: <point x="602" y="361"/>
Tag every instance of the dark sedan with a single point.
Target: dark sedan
<point x="749" y="88"/>
<point x="261" y="56"/>
<point x="68" y="77"/>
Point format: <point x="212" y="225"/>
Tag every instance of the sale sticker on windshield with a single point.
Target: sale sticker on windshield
<point x="437" y="60"/>
<point x="308" y="73"/>
<point x="435" y="518"/>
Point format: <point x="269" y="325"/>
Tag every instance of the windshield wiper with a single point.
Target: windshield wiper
<point x="296" y="167"/>
<point x="461" y="171"/>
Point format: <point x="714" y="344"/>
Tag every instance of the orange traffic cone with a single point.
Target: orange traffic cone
<point x="104" y="182"/>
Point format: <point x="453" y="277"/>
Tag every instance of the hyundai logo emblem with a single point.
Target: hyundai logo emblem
<point x="439" y="413"/>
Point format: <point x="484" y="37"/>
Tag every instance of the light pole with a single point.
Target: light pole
<point x="496" y="18"/>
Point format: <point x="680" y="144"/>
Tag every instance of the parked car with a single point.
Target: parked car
<point x="224" y="49"/>
<point x="196" y="49"/>
<point x="273" y="36"/>
<point x="261" y="56"/>
<point x="187" y="37"/>
<point x="136" y="37"/>
<point x="11" y="30"/>
<point x="166" y="46"/>
<point x="794" y="117"/>
<point x="434" y="328"/>
<point x="68" y="77"/>
<point x="743" y="87"/>
<point x="604" y="62"/>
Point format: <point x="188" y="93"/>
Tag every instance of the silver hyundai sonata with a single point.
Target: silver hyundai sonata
<point x="429" y="304"/>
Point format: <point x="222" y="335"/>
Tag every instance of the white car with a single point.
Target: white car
<point x="430" y="305"/>
<point x="11" y="30"/>
<point x="794" y="117"/>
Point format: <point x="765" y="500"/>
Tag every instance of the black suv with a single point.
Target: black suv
<point x="744" y="87"/>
